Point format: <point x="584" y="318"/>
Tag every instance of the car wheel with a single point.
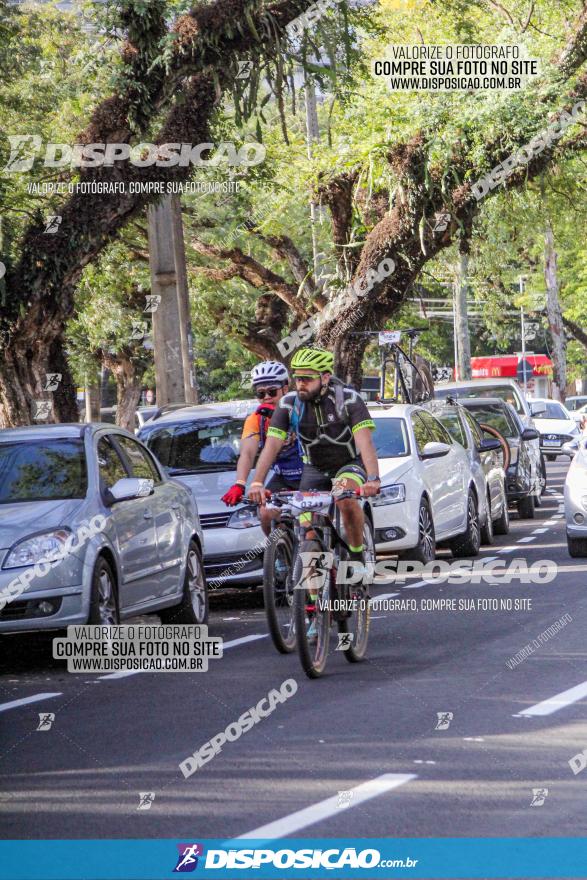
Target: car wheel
<point x="501" y="525"/>
<point x="104" y="600"/>
<point x="577" y="547"/>
<point x="425" y="549"/>
<point x="193" y="607"/>
<point x="526" y="507"/>
<point x="487" y="530"/>
<point x="469" y="542"/>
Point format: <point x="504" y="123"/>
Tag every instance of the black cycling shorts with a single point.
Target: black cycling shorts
<point x="313" y="478"/>
<point x="278" y="483"/>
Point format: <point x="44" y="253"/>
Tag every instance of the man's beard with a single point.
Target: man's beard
<point x="307" y="395"/>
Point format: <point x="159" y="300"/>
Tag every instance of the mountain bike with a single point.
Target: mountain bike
<point x="319" y="600"/>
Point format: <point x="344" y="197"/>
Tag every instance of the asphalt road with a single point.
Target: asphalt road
<point x="114" y="737"/>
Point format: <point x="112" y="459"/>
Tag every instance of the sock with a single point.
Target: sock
<point x="356" y="552"/>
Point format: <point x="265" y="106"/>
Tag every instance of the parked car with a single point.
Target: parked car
<point x="56" y="479"/>
<point x="505" y="389"/>
<point x="199" y="445"/>
<point x="525" y="480"/>
<point x="428" y="494"/>
<point x="485" y="463"/>
<point x="556" y="427"/>
<point x="575" y="403"/>
<point x="578" y="415"/>
<point x="576" y="502"/>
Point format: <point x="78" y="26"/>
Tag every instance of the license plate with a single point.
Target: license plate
<point x="552" y="443"/>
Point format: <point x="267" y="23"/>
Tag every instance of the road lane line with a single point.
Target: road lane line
<point x="233" y="643"/>
<point x="525" y="540"/>
<point x="326" y="808"/>
<point x="26" y="700"/>
<point x="375" y="599"/>
<point x="539" y="531"/>
<point x="559" y="701"/>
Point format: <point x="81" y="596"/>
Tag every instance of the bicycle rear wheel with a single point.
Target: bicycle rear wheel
<point x="360" y="619"/>
<point x="278" y="590"/>
<point x="313" y="652"/>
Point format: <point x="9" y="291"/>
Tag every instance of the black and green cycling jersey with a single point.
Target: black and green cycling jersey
<point x="325" y="427"/>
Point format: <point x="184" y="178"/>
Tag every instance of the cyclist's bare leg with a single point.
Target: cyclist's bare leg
<point x="265" y="516"/>
<point x="351" y="512"/>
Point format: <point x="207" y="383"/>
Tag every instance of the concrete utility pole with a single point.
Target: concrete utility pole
<point x="172" y="334"/>
<point x="555" y="317"/>
<point x="463" y="347"/>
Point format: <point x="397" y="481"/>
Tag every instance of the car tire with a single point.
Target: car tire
<point x="193" y="608"/>
<point x="469" y="542"/>
<point x="501" y="525"/>
<point x="487" y="535"/>
<point x="104" y="609"/>
<point x="526" y="507"/>
<point x="577" y="547"/>
<point x="425" y="549"/>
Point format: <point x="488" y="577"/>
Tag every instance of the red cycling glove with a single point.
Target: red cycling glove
<point x="234" y="495"/>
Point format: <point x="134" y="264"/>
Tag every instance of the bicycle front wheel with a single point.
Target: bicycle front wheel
<point x="358" y="623"/>
<point x="278" y="590"/>
<point x="312" y="619"/>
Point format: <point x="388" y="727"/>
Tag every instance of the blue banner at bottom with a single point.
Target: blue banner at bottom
<point x="365" y="858"/>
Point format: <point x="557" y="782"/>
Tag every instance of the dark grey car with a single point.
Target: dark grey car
<point x="92" y="531"/>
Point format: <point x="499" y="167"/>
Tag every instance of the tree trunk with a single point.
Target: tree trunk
<point x="555" y="318"/>
<point x="128" y="388"/>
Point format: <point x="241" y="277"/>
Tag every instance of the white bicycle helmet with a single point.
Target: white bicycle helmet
<point x="272" y="372"/>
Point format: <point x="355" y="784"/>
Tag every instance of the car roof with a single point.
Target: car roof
<point x="467" y="383"/>
<point x="392" y="409"/>
<point x="471" y="401"/>
<point x="191" y="412"/>
<point x="59" y="430"/>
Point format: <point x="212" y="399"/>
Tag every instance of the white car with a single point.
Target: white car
<point x="199" y="447"/>
<point x="428" y="493"/>
<point x="576" y="502"/>
<point x="556" y="427"/>
<point x="578" y="414"/>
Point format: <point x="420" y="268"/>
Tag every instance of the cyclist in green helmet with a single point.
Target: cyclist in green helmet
<point x="334" y="428"/>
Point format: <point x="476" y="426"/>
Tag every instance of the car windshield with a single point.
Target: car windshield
<point x="553" y="411"/>
<point x="575" y="403"/>
<point x="42" y="470"/>
<point x="495" y="416"/>
<point x="390" y="438"/>
<point x="196" y="446"/>
<point x="504" y="392"/>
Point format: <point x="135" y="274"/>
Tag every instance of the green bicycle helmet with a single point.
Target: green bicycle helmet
<point x="317" y="359"/>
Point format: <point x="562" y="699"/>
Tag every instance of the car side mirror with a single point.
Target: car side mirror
<point x="435" y="450"/>
<point x="129" y="488"/>
<point x="489" y="444"/>
<point x="530" y="434"/>
<point x="537" y="409"/>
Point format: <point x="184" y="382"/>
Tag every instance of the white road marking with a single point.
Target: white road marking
<point x="382" y="596"/>
<point x="326" y="808"/>
<point x="233" y="643"/>
<point x="526" y="540"/>
<point x="559" y="701"/>
<point x="506" y="550"/>
<point x="539" y="531"/>
<point x="14" y="704"/>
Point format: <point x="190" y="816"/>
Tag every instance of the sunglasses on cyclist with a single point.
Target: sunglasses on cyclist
<point x="262" y="393"/>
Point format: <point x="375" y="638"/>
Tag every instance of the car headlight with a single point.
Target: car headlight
<point x="389" y="495"/>
<point x="245" y="518"/>
<point x="39" y="548"/>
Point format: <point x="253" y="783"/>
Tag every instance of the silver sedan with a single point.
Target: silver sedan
<point x="576" y="502"/>
<point x="93" y="531"/>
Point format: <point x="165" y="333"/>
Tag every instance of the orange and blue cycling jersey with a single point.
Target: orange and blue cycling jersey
<point x="289" y="461"/>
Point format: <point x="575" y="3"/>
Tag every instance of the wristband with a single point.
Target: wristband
<point x="256" y="483"/>
<point x="373" y="478"/>
<point x="242" y="483"/>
